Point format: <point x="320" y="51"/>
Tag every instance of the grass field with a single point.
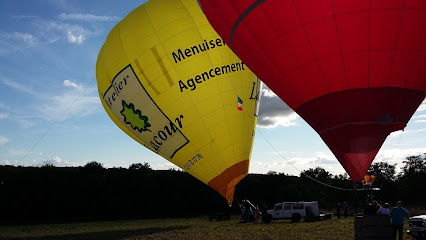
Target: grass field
<point x="188" y="228"/>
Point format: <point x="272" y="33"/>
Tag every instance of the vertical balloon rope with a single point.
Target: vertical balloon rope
<point x="57" y="120"/>
<point x="313" y="179"/>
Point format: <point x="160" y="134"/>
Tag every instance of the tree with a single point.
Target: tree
<point x="383" y="171"/>
<point x="412" y="179"/>
<point x="270" y="172"/>
<point x="317" y="173"/>
<point x="343" y="176"/>
<point x="94" y="165"/>
<point x="414" y="166"/>
<point x="140" y="167"/>
<point x="47" y="165"/>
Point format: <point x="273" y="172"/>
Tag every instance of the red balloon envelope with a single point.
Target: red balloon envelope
<point x="355" y="70"/>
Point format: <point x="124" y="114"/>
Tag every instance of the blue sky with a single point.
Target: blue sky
<point x="50" y="111"/>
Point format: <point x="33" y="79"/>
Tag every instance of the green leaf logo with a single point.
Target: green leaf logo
<point x="134" y="117"/>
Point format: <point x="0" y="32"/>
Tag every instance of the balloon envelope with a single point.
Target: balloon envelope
<point x="169" y="81"/>
<point x="354" y="70"/>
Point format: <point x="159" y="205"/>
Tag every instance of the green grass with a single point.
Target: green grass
<point x="191" y="229"/>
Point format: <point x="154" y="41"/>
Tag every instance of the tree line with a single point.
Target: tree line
<point x="50" y="194"/>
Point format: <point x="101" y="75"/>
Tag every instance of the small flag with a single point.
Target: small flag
<point x="240" y="104"/>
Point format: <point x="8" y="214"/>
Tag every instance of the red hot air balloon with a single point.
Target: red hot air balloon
<point x="355" y="70"/>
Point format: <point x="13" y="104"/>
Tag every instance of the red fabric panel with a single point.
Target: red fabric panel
<point x="413" y="22"/>
<point x="257" y="18"/>
<point x="310" y="11"/>
<point x="380" y="67"/>
<point x="402" y="66"/>
<point x="359" y="101"/>
<point x="298" y="47"/>
<point x="312" y="76"/>
<point x="417" y="76"/>
<point x="416" y="4"/>
<point x="276" y="18"/>
<point x="353" y="31"/>
<point x="279" y="56"/>
<point x="385" y="25"/>
<point x="383" y="4"/>
<point x="322" y="36"/>
<point x="334" y="73"/>
<point x="356" y="66"/>
<point x="298" y="86"/>
<point x="350" y="6"/>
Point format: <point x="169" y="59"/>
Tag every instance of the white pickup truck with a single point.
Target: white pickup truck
<point x="295" y="211"/>
<point x="417" y="225"/>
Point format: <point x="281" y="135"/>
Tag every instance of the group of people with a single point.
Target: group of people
<point x="345" y="209"/>
<point x="398" y="214"/>
<point x="249" y="212"/>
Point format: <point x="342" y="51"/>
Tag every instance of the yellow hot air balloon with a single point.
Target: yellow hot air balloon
<point x="169" y="81"/>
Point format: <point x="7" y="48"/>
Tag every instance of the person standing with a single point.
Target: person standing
<point x="398" y="214"/>
<point x="345" y="209"/>
<point x="338" y="210"/>
<point x="384" y="210"/>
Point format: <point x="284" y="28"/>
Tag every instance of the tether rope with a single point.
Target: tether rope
<point x="301" y="172"/>
<point x="57" y="120"/>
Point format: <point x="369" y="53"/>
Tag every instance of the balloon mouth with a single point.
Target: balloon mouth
<point x="225" y="182"/>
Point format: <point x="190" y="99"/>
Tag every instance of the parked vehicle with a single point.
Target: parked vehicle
<point x="295" y="211"/>
<point x="417" y="227"/>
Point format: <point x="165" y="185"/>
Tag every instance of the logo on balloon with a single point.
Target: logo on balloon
<point x="129" y="101"/>
<point x="135" y="118"/>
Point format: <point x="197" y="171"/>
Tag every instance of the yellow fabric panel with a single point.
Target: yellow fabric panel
<point x="168" y="81"/>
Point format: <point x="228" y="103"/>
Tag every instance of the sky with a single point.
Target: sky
<point x="50" y="111"/>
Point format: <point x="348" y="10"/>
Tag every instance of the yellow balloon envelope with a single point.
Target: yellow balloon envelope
<point x="169" y="81"/>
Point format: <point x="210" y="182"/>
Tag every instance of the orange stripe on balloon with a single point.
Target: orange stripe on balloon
<point x="226" y="181"/>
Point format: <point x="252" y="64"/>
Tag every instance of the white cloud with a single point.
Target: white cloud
<point x="422" y="106"/>
<point x="3" y="140"/>
<point x="24" y="16"/>
<point x="420" y="121"/>
<point x="294" y="165"/>
<point x="419" y="116"/>
<point x="166" y="166"/>
<point x="268" y="92"/>
<point x="285" y="121"/>
<point x="76" y="39"/>
<point x="68" y="83"/>
<point x="397" y="155"/>
<point x="12" y="153"/>
<point x="18" y="86"/>
<point x="72" y="103"/>
<point x="5" y="162"/>
<point x="274" y="112"/>
<point x="87" y="17"/>
<point x="26" y="37"/>
<point x="44" y="31"/>
<point x="25" y="123"/>
<point x="56" y="161"/>
<point x="415" y="131"/>
<point x="4" y="115"/>
<point x="326" y="160"/>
